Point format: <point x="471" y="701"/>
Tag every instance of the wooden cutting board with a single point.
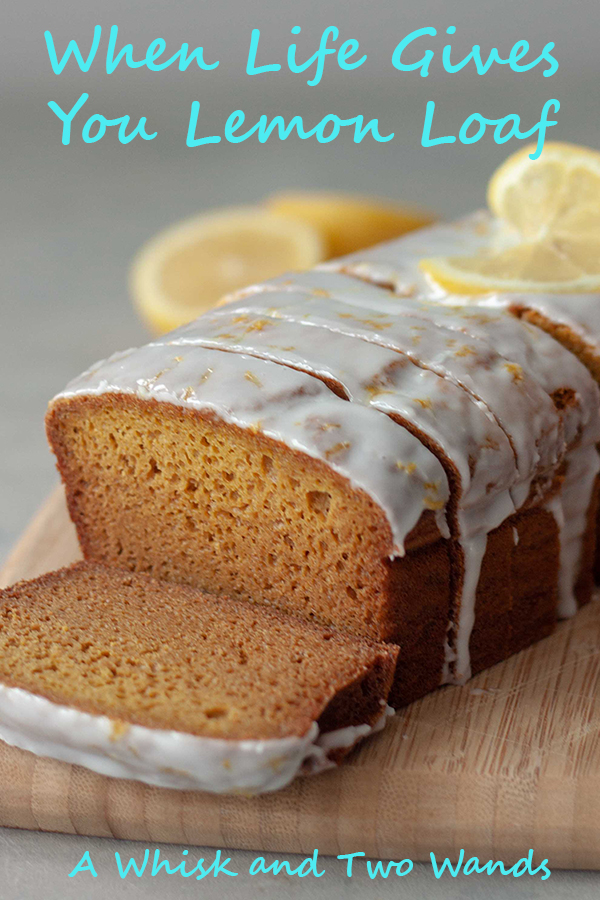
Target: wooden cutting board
<point x="507" y="763"/>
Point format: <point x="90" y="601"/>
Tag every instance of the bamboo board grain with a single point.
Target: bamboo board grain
<point x="509" y="762"/>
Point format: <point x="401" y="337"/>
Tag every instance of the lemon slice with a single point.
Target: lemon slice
<point x="187" y="268"/>
<point x="550" y="212"/>
<point x="348" y="222"/>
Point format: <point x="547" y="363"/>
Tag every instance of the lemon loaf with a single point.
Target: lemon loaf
<point x="139" y="679"/>
<point x="353" y="446"/>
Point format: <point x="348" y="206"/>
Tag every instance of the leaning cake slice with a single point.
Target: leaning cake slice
<point x="135" y="678"/>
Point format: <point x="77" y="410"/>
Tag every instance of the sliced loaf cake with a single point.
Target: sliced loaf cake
<point x="139" y="679"/>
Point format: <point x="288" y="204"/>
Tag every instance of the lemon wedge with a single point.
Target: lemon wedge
<point x="348" y="222"/>
<point x="549" y="240"/>
<point x="187" y="268"/>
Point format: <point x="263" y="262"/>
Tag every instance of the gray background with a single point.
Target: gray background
<point x="71" y="218"/>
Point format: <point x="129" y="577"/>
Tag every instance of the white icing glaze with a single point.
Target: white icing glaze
<point x="548" y="361"/>
<point x="535" y="352"/>
<point x="393" y="467"/>
<point x="474" y="546"/>
<point x="518" y="404"/>
<point x="526" y="347"/>
<point x="164" y="758"/>
<point x="376" y="376"/>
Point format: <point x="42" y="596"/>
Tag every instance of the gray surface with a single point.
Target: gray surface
<point x="73" y="216"/>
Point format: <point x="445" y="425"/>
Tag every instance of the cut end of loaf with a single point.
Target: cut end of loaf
<point x="185" y="497"/>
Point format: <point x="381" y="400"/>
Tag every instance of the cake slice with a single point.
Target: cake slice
<point x="136" y="678"/>
<point x="573" y="319"/>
